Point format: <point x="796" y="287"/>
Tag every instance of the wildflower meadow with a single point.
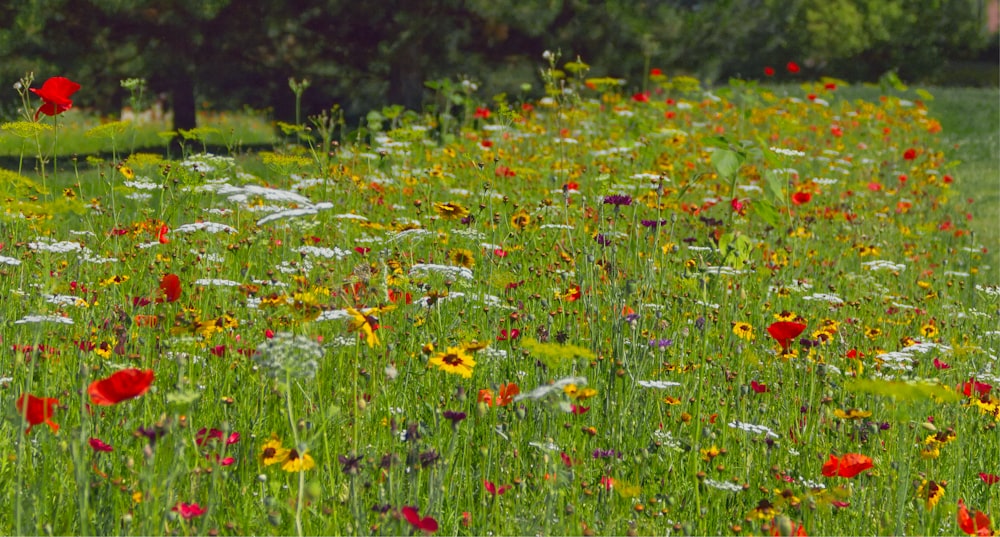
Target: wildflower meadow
<point x="629" y="307"/>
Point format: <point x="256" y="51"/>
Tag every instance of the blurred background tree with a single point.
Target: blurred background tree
<point x="225" y="54"/>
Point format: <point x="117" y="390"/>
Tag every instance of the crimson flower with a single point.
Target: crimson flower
<point x="188" y="510"/>
<point x="910" y="154"/>
<point x="784" y="332"/>
<point x="161" y="235"/>
<point x="941" y="365"/>
<point x="55" y="93"/>
<point x="849" y="466"/>
<point x="769" y="71"/>
<point x="493" y="489"/>
<point x="481" y="113"/>
<point x="98" y="445"/>
<point x="989" y="479"/>
<point x="426" y="524"/>
<point x="642" y="97"/>
<point x="972" y="385"/>
<point x="758" y="387"/>
<point x="980" y="525"/>
<point x="37" y="410"/>
<point x="170" y="288"/>
<point x="792" y="67"/>
<point x="120" y="386"/>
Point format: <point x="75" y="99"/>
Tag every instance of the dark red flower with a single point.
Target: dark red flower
<point x="170" y="288"/>
<point x="989" y="479"/>
<point x="98" y="445"/>
<point x="910" y="154"/>
<point x="37" y="410"/>
<point x="758" y="387"/>
<point x="941" y="365"/>
<point x="972" y="384"/>
<point x="784" y="332"/>
<point x="482" y="113"/>
<point x="161" y="236"/>
<point x="56" y="93"/>
<point x="120" y="386"/>
<point x="493" y="489"/>
<point x="642" y="97"/>
<point x="769" y="71"/>
<point x="426" y="524"/>
<point x="188" y="510"/>
<point x="792" y="67"/>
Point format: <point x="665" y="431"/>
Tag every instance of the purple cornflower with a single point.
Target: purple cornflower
<point x="661" y="343"/>
<point x="455" y="417"/>
<point x="618" y="199"/>
<point x="602" y="240"/>
<point x="653" y="223"/>
<point x="606" y="453"/>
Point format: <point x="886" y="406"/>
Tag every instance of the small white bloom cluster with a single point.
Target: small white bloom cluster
<point x="752" y="428"/>
<point x="723" y="485"/>
<point x="32" y="319"/>
<point x="210" y="227"/>
<point x="825" y="297"/>
<point x="4" y="260"/>
<point x="328" y="253"/>
<point x="288" y="355"/>
<point x="788" y="152"/>
<point x="881" y="264"/>
<point x="448" y="270"/>
<point x="658" y="384"/>
<point x="216" y="282"/>
<point x="61" y="247"/>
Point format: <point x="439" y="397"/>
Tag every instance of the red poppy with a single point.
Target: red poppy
<point x="941" y="365"/>
<point x="972" y="385"/>
<point x="769" y="71"/>
<point x="850" y="465"/>
<point x="56" y="93"/>
<point x="37" y="410"/>
<point x="120" y="386"/>
<point x="493" y="489"/>
<point x="656" y="71"/>
<point x="800" y="198"/>
<point x="481" y="113"/>
<point x="161" y="236"/>
<point x="910" y="154"/>
<point x="784" y="332"/>
<point x="188" y="510"/>
<point x="98" y="445"/>
<point x="980" y="525"/>
<point x="792" y="67"/>
<point x="426" y="524"/>
<point x="642" y="97"/>
<point x="989" y="479"/>
<point x="170" y="288"/>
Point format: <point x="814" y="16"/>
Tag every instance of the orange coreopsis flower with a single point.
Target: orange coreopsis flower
<point x="979" y="525"/>
<point x="37" y="410"/>
<point x="506" y="394"/>
<point x="120" y="386"/>
<point x="849" y="466"/>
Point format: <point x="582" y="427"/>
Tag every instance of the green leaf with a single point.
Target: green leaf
<point x="770" y="157"/>
<point x="924" y="94"/>
<point x="716" y="141"/>
<point x="904" y="391"/>
<point x="726" y="162"/>
<point x="774" y="188"/>
<point x="767" y="212"/>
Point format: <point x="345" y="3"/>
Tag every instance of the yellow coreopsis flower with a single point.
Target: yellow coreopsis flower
<point x="454" y="360"/>
<point x="273" y="452"/>
<point x="365" y="323"/>
<point x="298" y="463"/>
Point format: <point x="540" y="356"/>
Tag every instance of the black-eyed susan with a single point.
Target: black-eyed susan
<point x="461" y="257"/>
<point x="298" y="462"/>
<point x="450" y="210"/>
<point x="455" y="360"/>
<point x="931" y="493"/>
<point x="272" y="452"/>
<point x="520" y="220"/>
<point x="743" y="330"/>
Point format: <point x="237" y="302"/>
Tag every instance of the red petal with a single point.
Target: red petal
<point x="170" y="286"/>
<point x="57" y="90"/>
<point x="989" y="479"/>
<point x="120" y="386"/>
<point x="785" y="331"/>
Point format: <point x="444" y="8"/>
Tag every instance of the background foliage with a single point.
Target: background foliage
<point x="227" y="54"/>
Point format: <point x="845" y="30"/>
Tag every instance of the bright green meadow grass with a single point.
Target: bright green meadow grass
<point x="742" y="311"/>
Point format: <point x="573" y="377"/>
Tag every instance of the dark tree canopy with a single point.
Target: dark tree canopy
<point x="363" y="55"/>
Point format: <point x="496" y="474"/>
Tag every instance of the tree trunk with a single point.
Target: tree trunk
<point x="182" y="94"/>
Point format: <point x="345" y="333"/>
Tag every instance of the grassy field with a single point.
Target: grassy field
<point x="742" y="311"/>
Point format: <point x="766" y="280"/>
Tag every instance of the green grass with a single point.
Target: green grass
<point x="652" y="398"/>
